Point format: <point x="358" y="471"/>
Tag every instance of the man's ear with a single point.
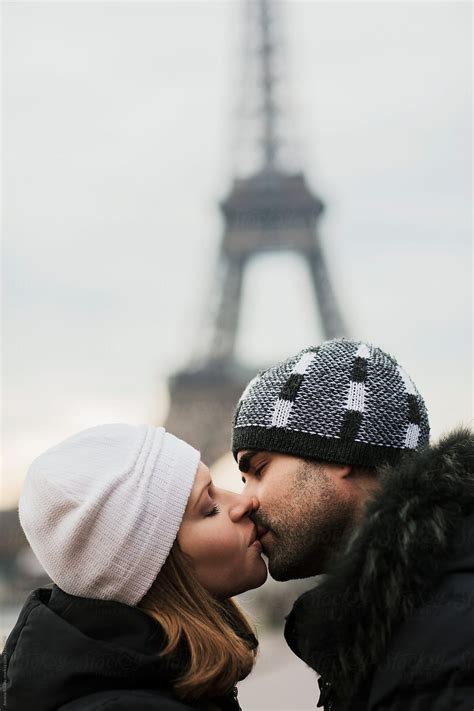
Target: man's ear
<point x="339" y="471"/>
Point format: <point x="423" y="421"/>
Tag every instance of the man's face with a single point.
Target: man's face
<point x="305" y="510"/>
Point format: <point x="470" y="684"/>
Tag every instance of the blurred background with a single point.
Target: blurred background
<point x="195" y="190"/>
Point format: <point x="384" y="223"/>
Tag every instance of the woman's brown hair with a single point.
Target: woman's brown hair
<point x="220" y="640"/>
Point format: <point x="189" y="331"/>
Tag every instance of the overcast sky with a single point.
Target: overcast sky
<point x="119" y="142"/>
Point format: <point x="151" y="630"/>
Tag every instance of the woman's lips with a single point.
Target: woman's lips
<point x="260" y="534"/>
<point x="254" y="536"/>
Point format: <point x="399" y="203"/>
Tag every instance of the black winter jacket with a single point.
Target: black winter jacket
<point x="391" y="627"/>
<point x="80" y="654"/>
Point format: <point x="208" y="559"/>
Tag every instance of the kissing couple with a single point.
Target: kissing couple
<point x="146" y="553"/>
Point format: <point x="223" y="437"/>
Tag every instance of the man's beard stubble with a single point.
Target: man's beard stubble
<point x="309" y="529"/>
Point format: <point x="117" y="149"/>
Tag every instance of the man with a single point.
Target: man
<point x="334" y="444"/>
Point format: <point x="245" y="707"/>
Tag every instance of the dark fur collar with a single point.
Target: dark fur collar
<point x="342" y="627"/>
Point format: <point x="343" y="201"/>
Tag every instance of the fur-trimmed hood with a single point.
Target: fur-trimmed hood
<point x="342" y="628"/>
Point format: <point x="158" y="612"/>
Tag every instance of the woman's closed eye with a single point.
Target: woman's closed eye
<point x="213" y="511"/>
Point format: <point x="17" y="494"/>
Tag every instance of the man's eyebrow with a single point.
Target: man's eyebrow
<point x="245" y="460"/>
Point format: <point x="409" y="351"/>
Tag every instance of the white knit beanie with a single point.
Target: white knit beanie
<point x="101" y="510"/>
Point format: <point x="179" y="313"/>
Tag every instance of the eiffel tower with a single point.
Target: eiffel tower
<point x="269" y="210"/>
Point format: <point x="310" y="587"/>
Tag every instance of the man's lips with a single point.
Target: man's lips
<point x="257" y="533"/>
<point x="261" y="531"/>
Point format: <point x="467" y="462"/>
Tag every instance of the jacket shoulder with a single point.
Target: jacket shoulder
<point x="430" y="656"/>
<point x="126" y="699"/>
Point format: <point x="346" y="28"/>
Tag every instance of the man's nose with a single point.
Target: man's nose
<point x="244" y="506"/>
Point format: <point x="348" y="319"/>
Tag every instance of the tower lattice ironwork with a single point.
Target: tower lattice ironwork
<point x="269" y="210"/>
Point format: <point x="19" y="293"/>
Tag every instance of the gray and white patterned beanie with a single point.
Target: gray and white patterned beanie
<point x="343" y="401"/>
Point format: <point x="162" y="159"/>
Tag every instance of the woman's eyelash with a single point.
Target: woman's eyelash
<point x="215" y="510"/>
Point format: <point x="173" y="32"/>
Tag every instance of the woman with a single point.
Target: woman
<point x="144" y="553"/>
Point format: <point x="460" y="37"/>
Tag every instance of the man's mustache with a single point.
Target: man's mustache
<point x="260" y="521"/>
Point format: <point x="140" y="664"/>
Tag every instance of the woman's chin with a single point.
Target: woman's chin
<point x="256" y="581"/>
<point x="260" y="578"/>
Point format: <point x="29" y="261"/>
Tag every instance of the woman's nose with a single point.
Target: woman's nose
<point x="244" y="506"/>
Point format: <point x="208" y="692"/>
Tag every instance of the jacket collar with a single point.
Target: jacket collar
<point x="342" y="627"/>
